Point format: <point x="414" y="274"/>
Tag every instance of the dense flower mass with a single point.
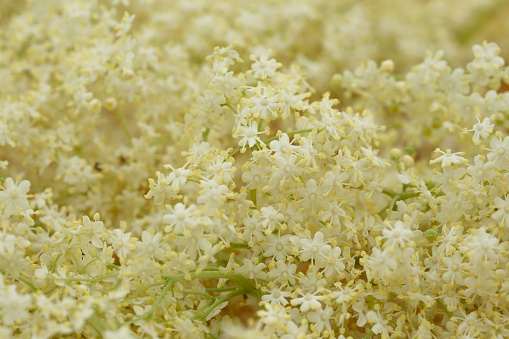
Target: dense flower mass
<point x="239" y="169"/>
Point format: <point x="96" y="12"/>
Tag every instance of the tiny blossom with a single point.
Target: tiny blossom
<point x="181" y="219"/>
<point x="397" y="234"/>
<point x="263" y="66"/>
<point x="447" y="158"/>
<point x="263" y="103"/>
<point x="13" y="197"/>
<point x="481" y="130"/>
<point x="499" y="151"/>
<point x="151" y="247"/>
<point x="271" y="218"/>
<point x="249" y="134"/>
<point x="502" y="214"/>
<point x="307" y="302"/>
<point x="314" y="249"/>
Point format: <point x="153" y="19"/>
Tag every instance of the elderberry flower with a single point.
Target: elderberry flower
<point x="481" y="130"/>
<point x="307" y="302"/>
<point x="13" y="197"/>
<point x="397" y="234"/>
<point x="249" y="134"/>
<point x="447" y="158"/>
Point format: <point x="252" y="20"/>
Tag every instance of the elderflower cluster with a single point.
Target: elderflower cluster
<point x="224" y="169"/>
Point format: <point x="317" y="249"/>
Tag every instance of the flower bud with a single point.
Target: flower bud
<point x="407" y="161"/>
<point x="110" y="103"/>
<point x="94" y="105"/>
<point x="387" y="66"/>
<point x="395" y="153"/>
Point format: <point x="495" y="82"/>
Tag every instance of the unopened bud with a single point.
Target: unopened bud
<point x="94" y="105"/>
<point x="407" y="161"/>
<point x="110" y="103"/>
<point x="387" y="66"/>
<point x="395" y="153"/>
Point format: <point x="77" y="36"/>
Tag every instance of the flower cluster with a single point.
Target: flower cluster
<point x="184" y="171"/>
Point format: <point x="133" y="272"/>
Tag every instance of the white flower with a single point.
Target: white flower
<point x="283" y="145"/>
<point x="321" y="318"/>
<point x="252" y="271"/>
<point x="277" y="246"/>
<point x="481" y="130"/>
<point x="13" y="197"/>
<point x="447" y="158"/>
<point x="481" y="171"/>
<point x="249" y="134"/>
<point x="397" y="234"/>
<point x="181" y="219"/>
<point x="271" y="218"/>
<point x="499" y="151"/>
<point x="263" y="103"/>
<point x="151" y="247"/>
<point x="263" y="66"/>
<point x="120" y="242"/>
<point x="502" y="214"/>
<point x="308" y="302"/>
<point x="454" y="271"/>
<point x="381" y="325"/>
<point x="277" y="297"/>
<point x="283" y="273"/>
<point x="14" y="306"/>
<point x="315" y="249"/>
<point x="482" y="246"/>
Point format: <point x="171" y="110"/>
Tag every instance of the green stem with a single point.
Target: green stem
<point x="238" y="245"/>
<point x="123" y="123"/>
<point x="28" y="282"/>
<point x="54" y="264"/>
<point x="24" y="280"/>
<point x="113" y="266"/>
<point x="231" y="107"/>
<point x="219" y="301"/>
<point x="144" y="288"/>
<point x="395" y="198"/>
<point x="91" y="281"/>
<point x="252" y="196"/>
<point x="94" y="326"/>
<point x="205" y="295"/>
<point x="205" y="134"/>
<point x="391" y="206"/>
<point x="370" y="333"/>
<point x="224" y="289"/>
<point x="242" y="281"/>
<point x="153" y="309"/>
<point x="389" y="192"/>
<point x="444" y="308"/>
<point x="235" y="150"/>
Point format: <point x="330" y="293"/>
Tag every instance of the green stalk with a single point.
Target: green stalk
<point x="219" y="301"/>
<point x="444" y="308"/>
